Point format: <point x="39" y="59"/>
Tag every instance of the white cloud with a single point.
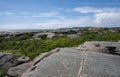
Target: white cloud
<point x="54" y="24"/>
<point x="101" y="17"/>
<point x="46" y="14"/>
<point x="95" y="10"/>
<point x="19" y="26"/>
<point x="111" y="19"/>
<point x="85" y="9"/>
<point x="51" y="14"/>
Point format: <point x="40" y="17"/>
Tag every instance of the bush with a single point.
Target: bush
<point x="33" y="48"/>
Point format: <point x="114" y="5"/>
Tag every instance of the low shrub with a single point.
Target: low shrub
<point x="33" y="48"/>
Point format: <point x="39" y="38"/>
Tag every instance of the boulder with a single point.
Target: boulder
<point x="104" y="47"/>
<point x="18" y="70"/>
<point x="14" y="34"/>
<point x="79" y="34"/>
<point x="7" y="60"/>
<point x="72" y="36"/>
<point x="40" y="36"/>
<point x="14" y="64"/>
<point x="23" y="59"/>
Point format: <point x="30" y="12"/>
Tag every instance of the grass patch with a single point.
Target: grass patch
<point x="32" y="48"/>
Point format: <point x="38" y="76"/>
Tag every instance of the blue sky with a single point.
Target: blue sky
<point x="52" y="14"/>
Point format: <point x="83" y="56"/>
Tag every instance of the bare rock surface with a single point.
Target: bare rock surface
<point x="72" y="62"/>
<point x="104" y="47"/>
<point x="72" y="36"/>
<point x="64" y="63"/>
<point x="12" y="64"/>
<point x="38" y="36"/>
<point x="7" y="60"/>
<point x="100" y="65"/>
<point x="18" y="70"/>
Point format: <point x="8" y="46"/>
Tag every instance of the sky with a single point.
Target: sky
<point x="54" y="14"/>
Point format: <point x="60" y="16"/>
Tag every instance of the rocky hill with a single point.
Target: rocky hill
<point x="91" y="59"/>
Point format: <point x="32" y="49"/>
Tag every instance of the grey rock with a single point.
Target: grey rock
<point x="6" y="76"/>
<point x="104" y="47"/>
<point x="38" y="35"/>
<point x="64" y="63"/>
<point x="18" y="70"/>
<point x="71" y="62"/>
<point x="79" y="33"/>
<point x="50" y="35"/>
<point x="14" y="34"/>
<point x="14" y="64"/>
<point x="101" y="65"/>
<point x="72" y="36"/>
<point x="23" y="59"/>
<point x="7" y="60"/>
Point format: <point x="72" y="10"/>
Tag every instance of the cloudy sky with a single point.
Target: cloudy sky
<point x="52" y="14"/>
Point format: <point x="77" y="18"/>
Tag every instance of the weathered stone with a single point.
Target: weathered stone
<point x="38" y="36"/>
<point x="23" y="59"/>
<point x="72" y="36"/>
<point x="14" y="34"/>
<point x="79" y="33"/>
<point x="64" y="63"/>
<point x="104" y="47"/>
<point x="18" y="70"/>
<point x="69" y="62"/>
<point x="7" y="60"/>
<point x="101" y="65"/>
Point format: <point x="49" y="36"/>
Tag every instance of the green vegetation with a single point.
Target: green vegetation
<point x="2" y="74"/>
<point x="24" y="46"/>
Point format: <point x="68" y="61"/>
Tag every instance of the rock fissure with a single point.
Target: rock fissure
<point x="2" y="56"/>
<point x="84" y="54"/>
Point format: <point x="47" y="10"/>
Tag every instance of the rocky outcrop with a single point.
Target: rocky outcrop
<point x="7" y="60"/>
<point x="58" y="64"/>
<point x="13" y="64"/>
<point x="14" y="34"/>
<point x="83" y="61"/>
<point x="17" y="71"/>
<point x="103" y="47"/>
<point x="91" y="59"/>
<point x="39" y="36"/>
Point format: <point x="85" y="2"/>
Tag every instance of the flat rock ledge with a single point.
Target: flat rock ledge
<point x="91" y="59"/>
